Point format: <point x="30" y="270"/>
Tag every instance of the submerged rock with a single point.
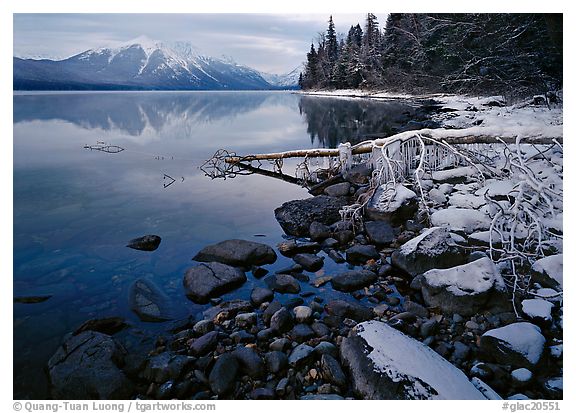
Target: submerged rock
<point x="145" y="243"/>
<point x="359" y="254"/>
<point x="295" y="217"/>
<point x="310" y="262"/>
<point x="237" y="253"/>
<point x="466" y="289"/>
<point x="148" y="301"/>
<point x="212" y="279"/>
<point x="386" y="364"/>
<point x="86" y="367"/>
<point x="283" y="283"/>
<point x="434" y="248"/>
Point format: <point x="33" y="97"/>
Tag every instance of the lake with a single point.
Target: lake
<point x="75" y="209"/>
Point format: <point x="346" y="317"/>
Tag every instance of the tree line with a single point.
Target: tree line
<point x="480" y="53"/>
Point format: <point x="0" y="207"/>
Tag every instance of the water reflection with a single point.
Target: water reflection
<point x="132" y="113"/>
<point x="333" y="120"/>
<point x="329" y="121"/>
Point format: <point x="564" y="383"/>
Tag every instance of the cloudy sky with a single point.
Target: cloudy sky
<point x="274" y="43"/>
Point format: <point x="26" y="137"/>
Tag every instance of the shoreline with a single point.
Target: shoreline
<point x="307" y="348"/>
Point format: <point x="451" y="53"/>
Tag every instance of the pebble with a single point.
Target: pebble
<point x="280" y="344"/>
<point x="245" y="320"/>
<point x="281" y="321"/>
<point x="260" y="295"/>
<point x="302" y="313"/>
<point x="301" y="333"/>
<point x="332" y="371"/>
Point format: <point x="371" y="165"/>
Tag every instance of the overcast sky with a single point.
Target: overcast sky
<point x="275" y="43"/>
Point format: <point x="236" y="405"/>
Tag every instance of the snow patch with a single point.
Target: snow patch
<point x="551" y="266"/>
<point x="473" y="278"/>
<point x="460" y="219"/>
<point x="537" y="308"/>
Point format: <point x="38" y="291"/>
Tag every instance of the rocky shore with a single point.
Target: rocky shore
<point x="428" y="313"/>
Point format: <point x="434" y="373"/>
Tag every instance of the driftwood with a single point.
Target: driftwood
<point x="452" y="137"/>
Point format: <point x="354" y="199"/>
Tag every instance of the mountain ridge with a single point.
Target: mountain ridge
<point x="144" y="64"/>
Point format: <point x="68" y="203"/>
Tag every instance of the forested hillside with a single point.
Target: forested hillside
<point x="507" y="54"/>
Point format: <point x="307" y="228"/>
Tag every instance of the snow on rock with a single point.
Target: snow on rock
<point x="460" y="219"/>
<point x="549" y="270"/>
<point x="434" y="248"/>
<point x="486" y="390"/>
<point x="393" y="204"/>
<point x="518" y="344"/>
<point x="537" y="309"/>
<point x="554" y="387"/>
<point x="519" y="396"/>
<point x="455" y="175"/>
<point x="482" y="238"/>
<point x="498" y="189"/>
<point x="469" y="201"/>
<point x="521" y="375"/>
<point x="386" y="364"/>
<point x="465" y="289"/>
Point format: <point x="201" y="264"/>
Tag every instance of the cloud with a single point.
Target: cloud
<point x="272" y="42"/>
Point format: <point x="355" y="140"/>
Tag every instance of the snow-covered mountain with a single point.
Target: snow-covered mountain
<point x="287" y="80"/>
<point x="139" y="64"/>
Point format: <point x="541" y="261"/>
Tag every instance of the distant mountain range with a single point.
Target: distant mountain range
<point x="143" y="64"/>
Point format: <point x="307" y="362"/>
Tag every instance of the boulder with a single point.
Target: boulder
<point x="250" y="362"/>
<point x="517" y="344"/>
<point x="394" y="205"/>
<point x="359" y="254"/>
<point x="283" y="283"/>
<point x="260" y="295"/>
<point x="166" y="366"/>
<point x="341" y="189"/>
<point x="145" y="243"/>
<point x="222" y="378"/>
<point x="292" y="247"/>
<point x="385" y="364"/>
<point x="332" y="371"/>
<point x="461" y="219"/>
<point x="212" y="279"/>
<point x="548" y="271"/>
<point x="319" y="231"/>
<point x="353" y="280"/>
<point x="296" y="216"/>
<point x="466" y="289"/>
<point x="204" y="344"/>
<point x="380" y="232"/>
<point x="237" y="253"/>
<point x="148" y="301"/>
<point x="86" y="366"/>
<point x="310" y="262"/>
<point x="434" y="248"/>
<point x="344" y="309"/>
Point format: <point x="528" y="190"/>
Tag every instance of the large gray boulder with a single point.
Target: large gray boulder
<point x="385" y="364"/>
<point x="86" y="366"/>
<point x="212" y="279"/>
<point x="393" y="205"/>
<point x="353" y="280"/>
<point x="148" y="301"/>
<point x="295" y="217"/>
<point x="237" y="253"/>
<point x="434" y="248"/>
<point x="517" y="344"/>
<point x="466" y="289"/>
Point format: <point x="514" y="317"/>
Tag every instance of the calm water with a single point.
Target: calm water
<point x="75" y="209"/>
